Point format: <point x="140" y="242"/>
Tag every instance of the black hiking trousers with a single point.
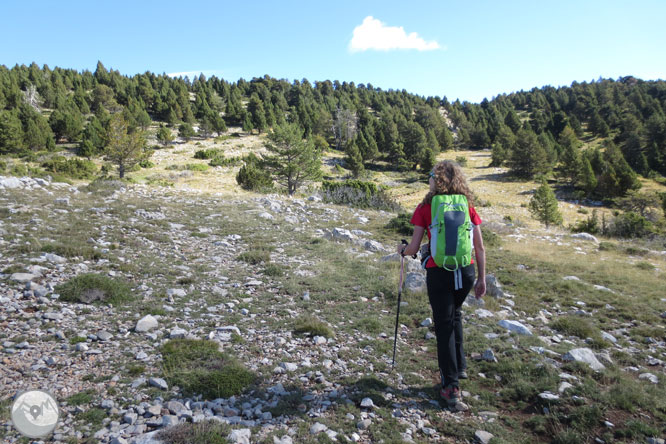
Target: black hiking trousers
<point x="446" y="311"/>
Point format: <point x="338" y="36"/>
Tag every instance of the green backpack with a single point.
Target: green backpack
<point x="450" y="240"/>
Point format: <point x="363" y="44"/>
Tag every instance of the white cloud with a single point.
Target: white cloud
<point x="373" y="34"/>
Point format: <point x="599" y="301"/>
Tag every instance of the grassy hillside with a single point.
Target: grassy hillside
<point x="298" y="296"/>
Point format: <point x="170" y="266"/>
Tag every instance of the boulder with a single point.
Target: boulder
<point x="584" y="355"/>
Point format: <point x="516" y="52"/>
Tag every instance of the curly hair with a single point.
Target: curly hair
<point x="449" y="179"/>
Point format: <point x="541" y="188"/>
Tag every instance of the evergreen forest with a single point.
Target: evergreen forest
<point x="595" y="137"/>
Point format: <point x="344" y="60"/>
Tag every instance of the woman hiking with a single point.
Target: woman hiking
<point x="449" y="285"/>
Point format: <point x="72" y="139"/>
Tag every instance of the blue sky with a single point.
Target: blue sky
<point x="458" y="49"/>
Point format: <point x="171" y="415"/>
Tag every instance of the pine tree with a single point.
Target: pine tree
<point x="354" y="160"/>
<point x="372" y="151"/>
<point x="586" y="178"/>
<point x="124" y="148"/>
<point x="293" y="159"/>
<point x="528" y="158"/>
<point x="445" y="138"/>
<point x="257" y="113"/>
<point x="543" y="206"/>
<point x="186" y="131"/>
<point x="164" y="135"/>
<point x="247" y="122"/>
<point x="498" y="155"/>
<point x="11" y="133"/>
<point x="428" y="161"/>
<point x="570" y="156"/>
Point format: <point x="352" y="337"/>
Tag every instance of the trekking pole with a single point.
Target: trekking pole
<point x="397" y="316"/>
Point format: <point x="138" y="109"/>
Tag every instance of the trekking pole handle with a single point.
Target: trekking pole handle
<point x="404" y="242"/>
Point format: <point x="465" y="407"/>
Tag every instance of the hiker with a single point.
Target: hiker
<point x="447" y="289"/>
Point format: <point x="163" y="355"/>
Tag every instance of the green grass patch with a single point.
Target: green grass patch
<point x="92" y="417"/>
<point x="369" y="325"/>
<point x="274" y="270"/>
<point x="84" y="397"/>
<point x="72" y="248"/>
<point x="254" y="257"/>
<point x="577" y="326"/>
<point x="198" y="367"/>
<point x="205" y="432"/>
<point x="94" y="288"/>
<point x="309" y="325"/>
<point x="76" y="339"/>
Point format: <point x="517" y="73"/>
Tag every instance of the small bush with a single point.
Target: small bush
<point x="576" y="326"/>
<point x="312" y="326"/>
<point x="76" y="339"/>
<point x="589" y="225"/>
<point x="490" y="238"/>
<point x="199" y="368"/>
<point x="136" y="370"/>
<point x="461" y="160"/>
<point x="273" y="270"/>
<point x="607" y="246"/>
<point x="645" y="266"/>
<point x="145" y="163"/>
<point x="225" y="161"/>
<point x="88" y="288"/>
<point x="72" y="249"/>
<point x="84" y="397"/>
<point x="630" y="225"/>
<point x="104" y="187"/>
<point x="74" y="168"/>
<point x="360" y="194"/>
<point x="207" y="154"/>
<point x="252" y="176"/>
<point x="3" y="166"/>
<point x="401" y="224"/>
<point x="197" y="167"/>
<point x="205" y="432"/>
<point x="254" y="257"/>
<point x="92" y="417"/>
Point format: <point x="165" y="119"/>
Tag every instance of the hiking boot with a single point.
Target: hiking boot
<point x="462" y="374"/>
<point x="450" y="394"/>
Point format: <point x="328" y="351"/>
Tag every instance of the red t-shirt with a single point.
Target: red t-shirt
<point x="422" y="217"/>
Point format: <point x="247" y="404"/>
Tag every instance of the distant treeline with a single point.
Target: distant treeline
<point x="532" y="133"/>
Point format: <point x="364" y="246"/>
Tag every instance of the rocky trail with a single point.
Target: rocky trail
<point x="180" y="251"/>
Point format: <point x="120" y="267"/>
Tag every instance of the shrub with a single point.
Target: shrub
<point x="588" y="225"/>
<point x="357" y="193"/>
<point x="461" y="160"/>
<point x="254" y="257"/>
<point x="3" y="166"/>
<point x="199" y="368"/>
<point x="252" y="176"/>
<point x="274" y="270"/>
<point x="197" y="167"/>
<point x="84" y="397"/>
<point x="207" y="154"/>
<point x="401" y="224"/>
<point x="310" y="325"/>
<point x="630" y="225"/>
<point x="204" y="432"/>
<point x="89" y="287"/>
<point x="577" y="326"/>
<point x="146" y="164"/>
<point x="490" y="238"/>
<point x="74" y="168"/>
<point x="225" y="161"/>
